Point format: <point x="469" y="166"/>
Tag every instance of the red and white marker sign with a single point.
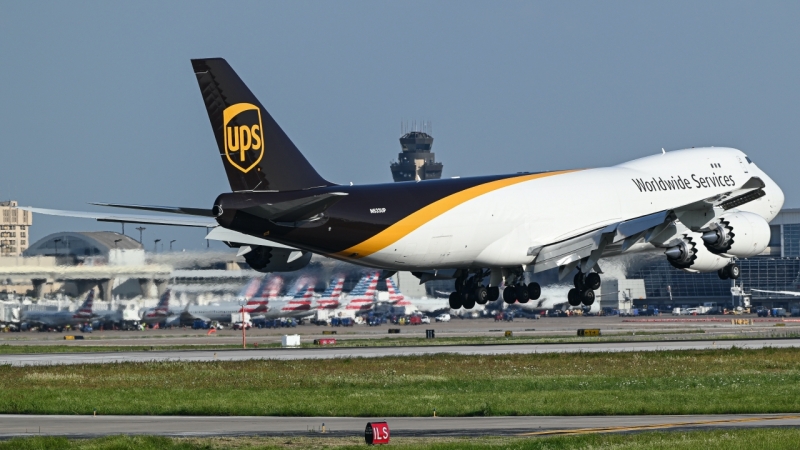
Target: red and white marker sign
<point x="377" y="433"/>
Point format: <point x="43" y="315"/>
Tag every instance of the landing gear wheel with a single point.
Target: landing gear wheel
<point x="734" y="272"/>
<point x="588" y="297"/>
<point x="592" y="281"/>
<point x="522" y="293"/>
<point x="578" y="281"/>
<point x="509" y="295"/>
<point x="481" y="295"/>
<point x="574" y="297"/>
<point x="469" y="303"/>
<point x="494" y="293"/>
<point x="723" y="273"/>
<point x="455" y="300"/>
<point x="534" y="291"/>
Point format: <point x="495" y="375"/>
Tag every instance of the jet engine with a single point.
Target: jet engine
<point x="740" y="234"/>
<point x="271" y="259"/>
<point x="691" y="256"/>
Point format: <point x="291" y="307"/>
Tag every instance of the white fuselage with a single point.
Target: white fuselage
<point x="497" y="228"/>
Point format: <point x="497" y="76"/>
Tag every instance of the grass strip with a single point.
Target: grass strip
<point x="662" y="382"/>
<point x="733" y="439"/>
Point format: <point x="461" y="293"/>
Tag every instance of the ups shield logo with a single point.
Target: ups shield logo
<point x="243" y="135"/>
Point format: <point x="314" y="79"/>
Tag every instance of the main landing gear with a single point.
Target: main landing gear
<point x="583" y="292"/>
<point x="521" y="292"/>
<point x="731" y="271"/>
<point x="471" y="291"/>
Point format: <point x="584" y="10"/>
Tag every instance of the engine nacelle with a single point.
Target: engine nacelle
<point x="691" y="255"/>
<point x="739" y="234"/>
<point x="272" y="259"/>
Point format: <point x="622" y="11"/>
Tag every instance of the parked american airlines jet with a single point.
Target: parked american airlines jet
<point x="330" y="299"/>
<point x="298" y="306"/>
<point x="161" y="312"/>
<point x="362" y="297"/>
<point x="60" y="319"/>
<point x="702" y="208"/>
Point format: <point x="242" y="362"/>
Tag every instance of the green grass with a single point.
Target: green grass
<point x="735" y="439"/>
<point x="674" y="382"/>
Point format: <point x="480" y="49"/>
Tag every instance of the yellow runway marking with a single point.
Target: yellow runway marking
<point x="653" y="426"/>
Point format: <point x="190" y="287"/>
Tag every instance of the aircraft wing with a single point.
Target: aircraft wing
<point x="587" y="248"/>
<point x="792" y="293"/>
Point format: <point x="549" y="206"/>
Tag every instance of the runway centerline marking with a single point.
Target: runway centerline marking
<point x="653" y="426"/>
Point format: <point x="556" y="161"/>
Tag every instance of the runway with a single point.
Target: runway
<point x="672" y="326"/>
<point x="375" y="352"/>
<point x="88" y="426"/>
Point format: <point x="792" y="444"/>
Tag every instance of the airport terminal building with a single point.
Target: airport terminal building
<point x="776" y="269"/>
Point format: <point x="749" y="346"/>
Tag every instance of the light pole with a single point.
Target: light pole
<point x="155" y="245"/>
<point x="140" y="234"/>
<point x="170" y="244"/>
<point x="244" y="339"/>
<point x="56" y="242"/>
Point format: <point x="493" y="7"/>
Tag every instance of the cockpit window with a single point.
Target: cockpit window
<point x="748" y="159"/>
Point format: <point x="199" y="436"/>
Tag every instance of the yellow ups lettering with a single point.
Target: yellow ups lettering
<point x="256" y="137"/>
<point x="244" y="135"/>
<point x="244" y="140"/>
<point x="233" y="139"/>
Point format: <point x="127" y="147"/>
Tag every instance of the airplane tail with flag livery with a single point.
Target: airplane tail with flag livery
<point x="88" y="304"/>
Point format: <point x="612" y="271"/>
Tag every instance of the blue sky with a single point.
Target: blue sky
<point x="98" y="101"/>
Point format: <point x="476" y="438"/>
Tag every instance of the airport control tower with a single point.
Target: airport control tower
<point x="416" y="161"/>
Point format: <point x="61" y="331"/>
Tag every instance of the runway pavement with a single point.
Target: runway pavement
<point x="374" y="352"/>
<point x="89" y="426"/>
<point x="673" y="326"/>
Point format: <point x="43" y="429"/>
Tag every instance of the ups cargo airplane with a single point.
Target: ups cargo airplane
<point x="702" y="208"/>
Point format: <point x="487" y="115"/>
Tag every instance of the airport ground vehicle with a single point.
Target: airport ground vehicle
<point x="275" y="323"/>
<point x="650" y="311"/>
<point x="504" y="317"/>
<point x="238" y="325"/>
<point x="762" y="311"/>
<point x="200" y="324"/>
<point x="425" y="319"/>
<point x="443" y="317"/>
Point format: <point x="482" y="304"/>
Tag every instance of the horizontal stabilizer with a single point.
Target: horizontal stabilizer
<point x="295" y="210"/>
<point x="128" y="218"/>
<point x="203" y="212"/>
